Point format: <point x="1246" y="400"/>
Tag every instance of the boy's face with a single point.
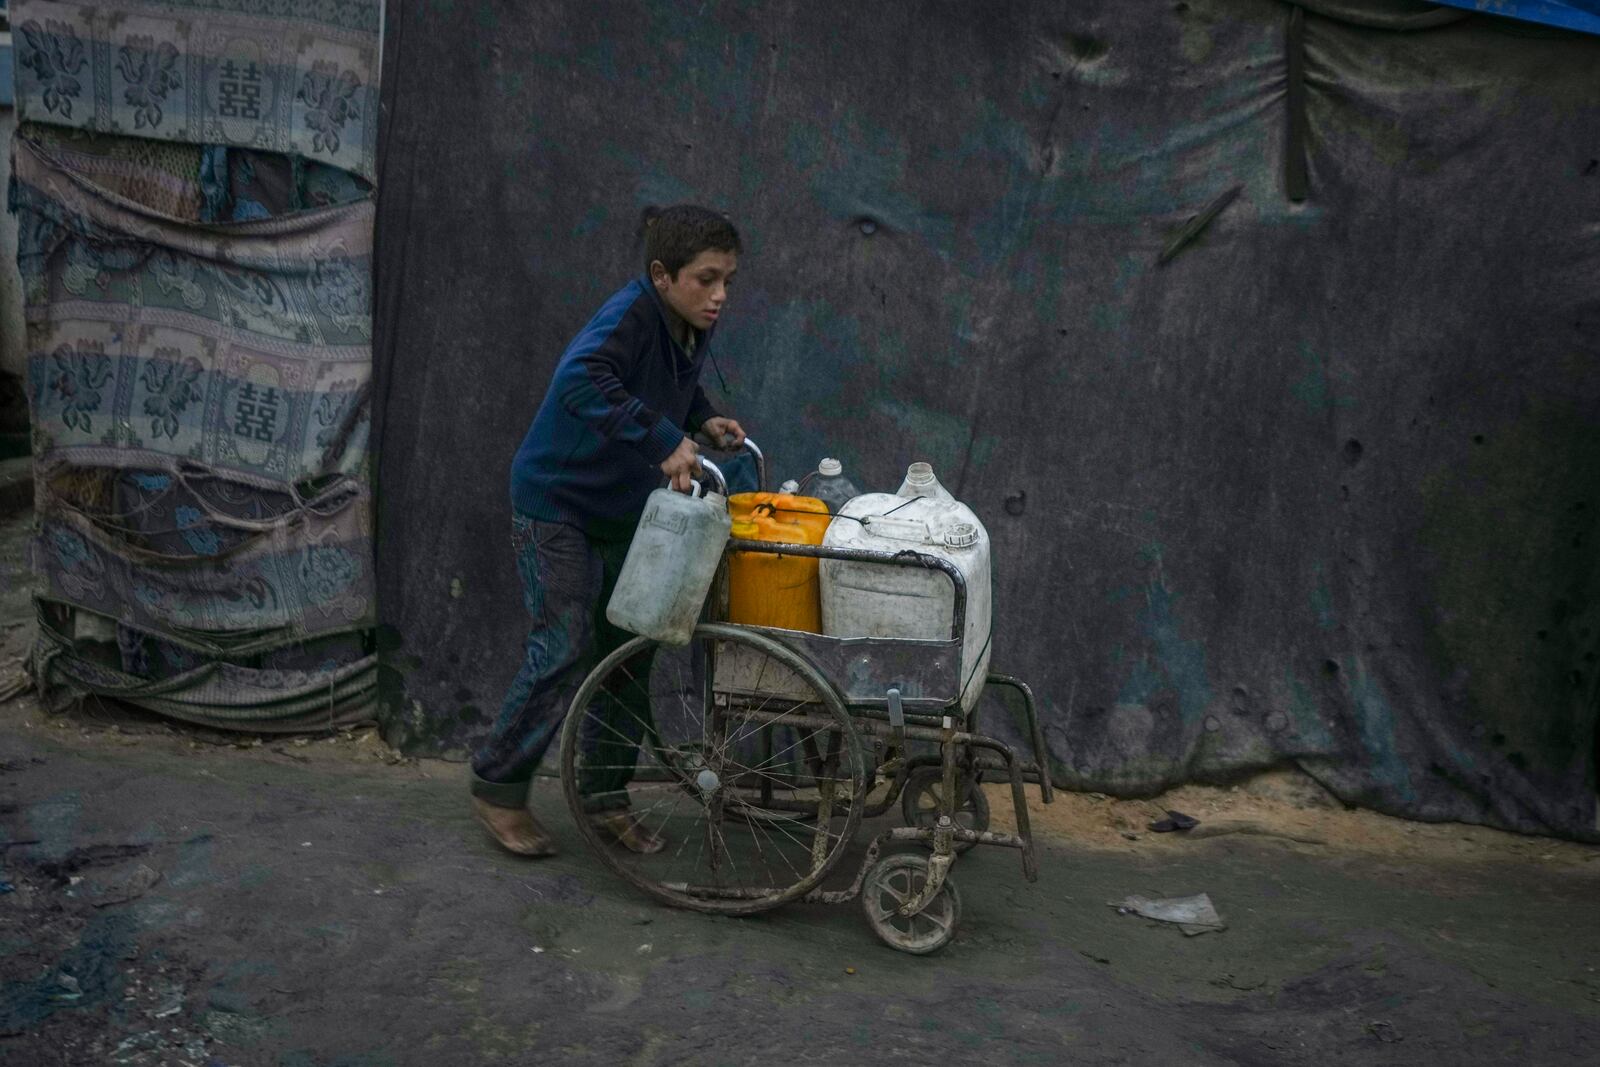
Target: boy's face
<point x="701" y="287"/>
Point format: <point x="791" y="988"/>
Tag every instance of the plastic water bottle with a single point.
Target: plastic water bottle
<point x="831" y="486"/>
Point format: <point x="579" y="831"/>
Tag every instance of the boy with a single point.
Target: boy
<point x="615" y="420"/>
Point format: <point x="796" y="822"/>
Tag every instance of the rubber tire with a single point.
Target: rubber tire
<point x="831" y="704"/>
<point x="948" y="894"/>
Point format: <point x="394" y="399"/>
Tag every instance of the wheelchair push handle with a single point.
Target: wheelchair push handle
<point x="726" y="445"/>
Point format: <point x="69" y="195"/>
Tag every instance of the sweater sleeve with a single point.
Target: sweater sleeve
<point x="588" y="384"/>
<point x="700" y="410"/>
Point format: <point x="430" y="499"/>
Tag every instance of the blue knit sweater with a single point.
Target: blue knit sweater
<point x="622" y="397"/>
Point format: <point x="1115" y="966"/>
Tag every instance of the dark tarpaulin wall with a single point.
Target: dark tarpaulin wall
<point x="1319" y="488"/>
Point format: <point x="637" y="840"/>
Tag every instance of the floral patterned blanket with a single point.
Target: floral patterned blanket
<point x="292" y="76"/>
<point x="241" y="346"/>
<point x="195" y="244"/>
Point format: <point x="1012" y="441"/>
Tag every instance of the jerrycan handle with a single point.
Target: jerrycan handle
<point x="695" y="490"/>
<point x="696" y="487"/>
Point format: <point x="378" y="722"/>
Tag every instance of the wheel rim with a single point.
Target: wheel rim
<point x="735" y="795"/>
<point x="893" y="882"/>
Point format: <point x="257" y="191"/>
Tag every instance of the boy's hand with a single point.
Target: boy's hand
<point x="682" y="465"/>
<point x="720" y="428"/>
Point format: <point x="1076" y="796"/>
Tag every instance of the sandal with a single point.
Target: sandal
<point x="629" y="831"/>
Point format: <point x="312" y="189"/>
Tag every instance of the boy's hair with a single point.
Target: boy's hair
<point x="675" y="235"/>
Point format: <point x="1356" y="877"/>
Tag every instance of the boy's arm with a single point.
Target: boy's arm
<point x="700" y="410"/>
<point x="588" y="384"/>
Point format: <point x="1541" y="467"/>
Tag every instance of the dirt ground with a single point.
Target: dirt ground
<point x="1287" y="806"/>
<point x="177" y="896"/>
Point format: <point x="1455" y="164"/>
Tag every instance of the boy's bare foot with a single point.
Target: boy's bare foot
<point x="515" y="828"/>
<point x="629" y="832"/>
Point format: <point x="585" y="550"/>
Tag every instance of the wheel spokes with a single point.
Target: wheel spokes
<point x="732" y="787"/>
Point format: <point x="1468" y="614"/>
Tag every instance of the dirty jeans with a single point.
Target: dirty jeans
<point x="566" y="582"/>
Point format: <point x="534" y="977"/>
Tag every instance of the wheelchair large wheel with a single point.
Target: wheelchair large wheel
<point x="735" y="750"/>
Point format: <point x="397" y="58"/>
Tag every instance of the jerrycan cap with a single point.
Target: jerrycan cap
<point x="961" y="535"/>
<point x="789" y="487"/>
<point x="830" y="468"/>
<point x="920" y="474"/>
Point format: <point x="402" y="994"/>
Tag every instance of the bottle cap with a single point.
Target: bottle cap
<point x="830" y="468"/>
<point x="961" y="535"/>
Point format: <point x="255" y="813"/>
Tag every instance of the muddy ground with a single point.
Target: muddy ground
<point x="171" y="896"/>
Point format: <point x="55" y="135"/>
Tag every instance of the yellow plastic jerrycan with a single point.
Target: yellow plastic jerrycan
<point x="778" y="591"/>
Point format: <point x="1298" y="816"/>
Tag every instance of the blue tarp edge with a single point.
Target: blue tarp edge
<point x="1580" y="15"/>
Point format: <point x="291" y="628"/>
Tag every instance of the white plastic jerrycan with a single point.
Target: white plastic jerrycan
<point x="670" y="565"/>
<point x="873" y="600"/>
